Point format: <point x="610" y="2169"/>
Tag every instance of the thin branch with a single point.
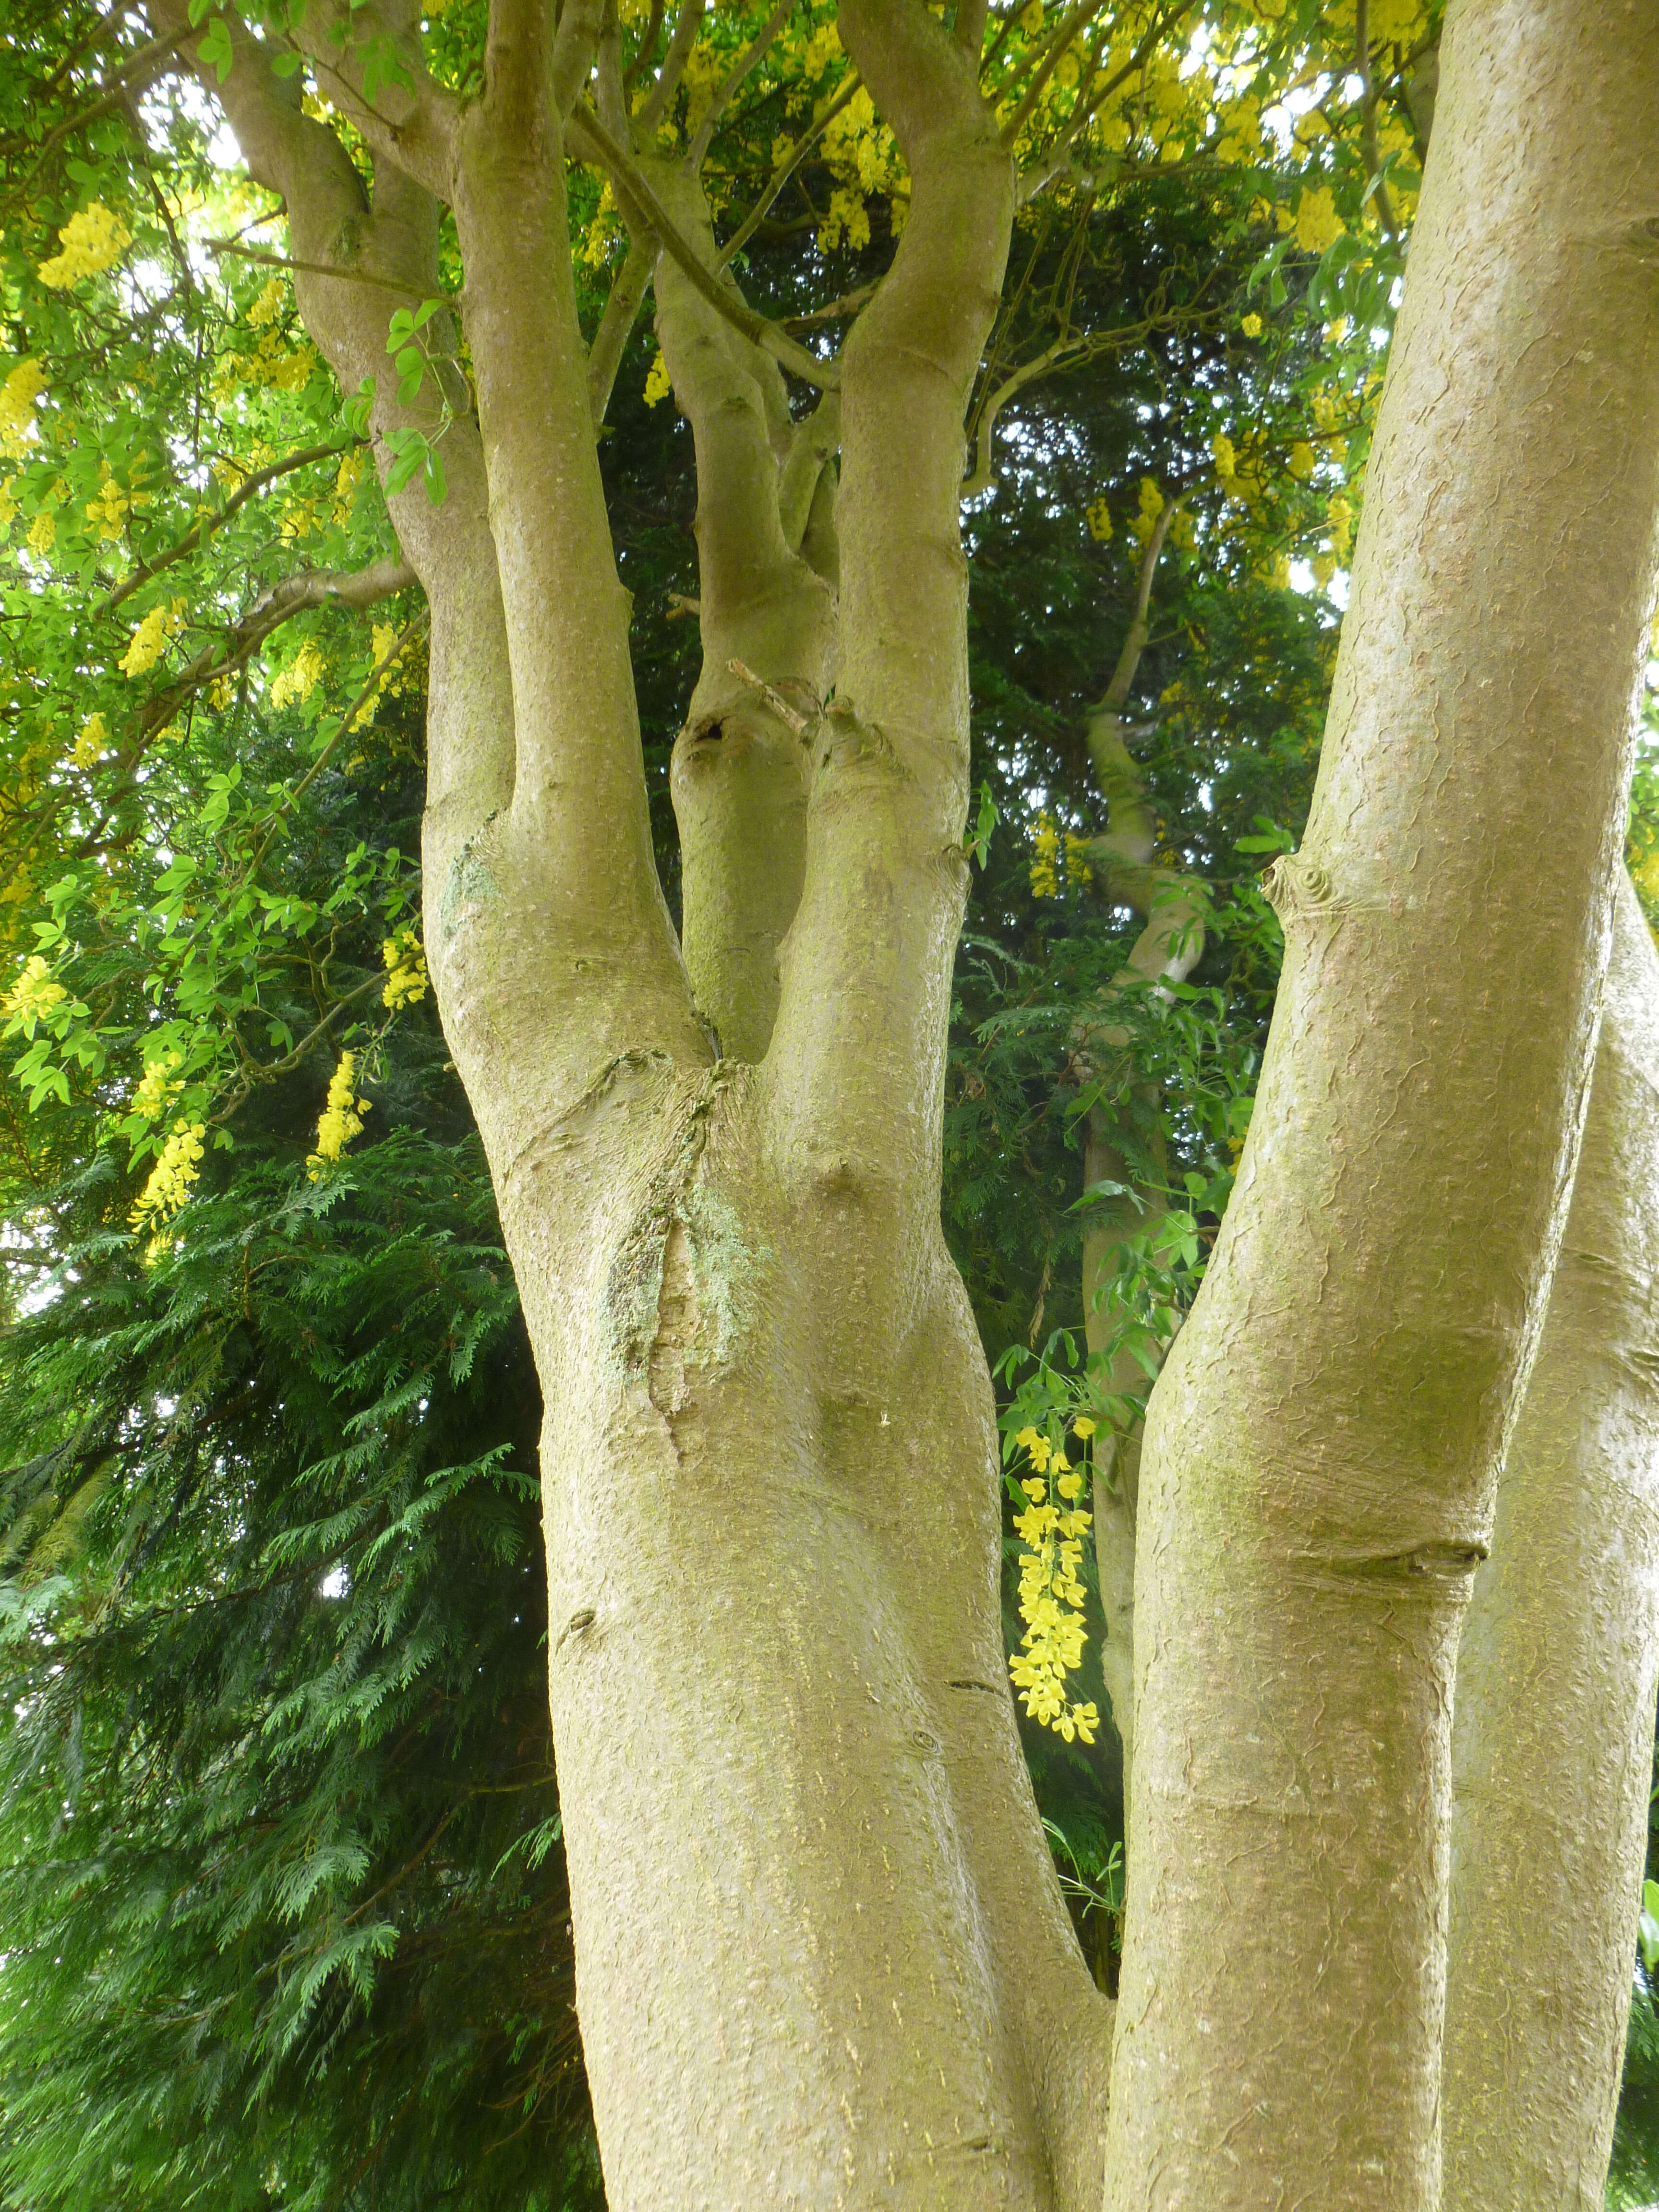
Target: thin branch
<point x="1128" y="660"/>
<point x="837" y="311"/>
<point x="649" y="214"/>
<point x="1368" y="140"/>
<point x="1083" y="13"/>
<point x="756" y="215"/>
<point x="645" y="49"/>
<point x="250" y="488"/>
<point x="268" y="260"/>
<point x="135" y="76"/>
<point x="775" y="698"/>
<point x="970" y="25"/>
<point x="984" y="475"/>
<point x="743" y="67"/>
<point x="687" y="24"/>
<point x="628" y="289"/>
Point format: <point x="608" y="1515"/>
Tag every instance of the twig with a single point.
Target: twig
<point x="775" y="698"/>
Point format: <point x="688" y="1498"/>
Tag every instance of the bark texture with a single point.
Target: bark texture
<point x="1316" y="1486"/>
<point x="1553" y="1740"/>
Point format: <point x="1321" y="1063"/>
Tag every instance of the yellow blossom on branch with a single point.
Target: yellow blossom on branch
<point x="17" y="397"/>
<point x="1045" y="880"/>
<point x="42" y="533"/>
<point x="1098" y="516"/>
<point x="32" y="997"/>
<point x="406" y="977"/>
<point x="658" y="383"/>
<point x="341" y="1118"/>
<point x="148" y="641"/>
<point x="300" y="679"/>
<point x="176" y="1168"/>
<point x="91" y="742"/>
<point x="92" y="240"/>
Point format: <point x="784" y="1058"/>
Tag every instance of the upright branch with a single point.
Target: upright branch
<point x="859" y="1048"/>
<point x="1321" y="1445"/>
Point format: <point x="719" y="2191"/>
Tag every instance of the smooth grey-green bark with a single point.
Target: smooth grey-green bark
<point x="1552" y="1737"/>
<point x="1316" y="1484"/>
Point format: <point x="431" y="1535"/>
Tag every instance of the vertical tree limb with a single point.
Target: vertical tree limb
<point x="1552" y="1741"/>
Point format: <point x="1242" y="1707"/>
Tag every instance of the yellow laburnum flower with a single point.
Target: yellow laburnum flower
<point x="657" y="384"/>
<point x="1098" y="517"/>
<point x="300" y="679"/>
<point x="108" y="511"/>
<point x="347" y="477"/>
<point x="271" y="305"/>
<point x="148" y="641"/>
<point x="1339" y="521"/>
<point x="1031" y="20"/>
<point x="406" y="977"/>
<point x="1317" y="222"/>
<point x="42" y="533"/>
<point x="32" y="997"/>
<point x="1251" y="326"/>
<point x="1077" y="859"/>
<point x="1083" y="1427"/>
<point x="8" y="504"/>
<point x="91" y="742"/>
<point x="157" y="1086"/>
<point x="176" y="1166"/>
<point x="92" y="238"/>
<point x="1045" y="880"/>
<point x="341" y="1118"/>
<point x="1151" y="505"/>
<point x="1225" y="455"/>
<point x="1303" y="457"/>
<point x="17" y="397"/>
<point x="1069" y="1486"/>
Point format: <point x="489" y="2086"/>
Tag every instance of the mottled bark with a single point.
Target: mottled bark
<point x="1553" y="1736"/>
<point x="1316" y="1485"/>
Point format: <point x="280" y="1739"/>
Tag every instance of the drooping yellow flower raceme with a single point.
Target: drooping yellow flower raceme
<point x="157" y="1084"/>
<point x="1317" y="222"/>
<point x="341" y="1118"/>
<point x="300" y="677"/>
<point x="42" y="533"/>
<point x="93" y="238"/>
<point x="176" y="1166"/>
<point x="1151" y="505"/>
<point x="1051" y="1595"/>
<point x="32" y="996"/>
<point x="658" y="383"/>
<point x="91" y="742"/>
<point x="1045" y="877"/>
<point x="406" y="976"/>
<point x="148" y="641"/>
<point x="21" y="388"/>
<point x="1098" y="516"/>
<point x="270" y="305"/>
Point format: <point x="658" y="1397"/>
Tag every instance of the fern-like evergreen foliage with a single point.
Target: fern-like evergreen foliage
<point x="286" y="1920"/>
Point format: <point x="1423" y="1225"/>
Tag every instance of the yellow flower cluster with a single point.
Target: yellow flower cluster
<point x="270" y="305"/>
<point x="406" y="977"/>
<point x="1045" y="874"/>
<point x="107" y="512"/>
<point x="92" y="240"/>
<point x="347" y="478"/>
<point x="157" y="1086"/>
<point x="1151" y="505"/>
<point x="1317" y="222"/>
<point x="177" y="1167"/>
<point x="300" y="679"/>
<point x="91" y="742"/>
<point x="341" y="1118"/>
<point x="32" y="996"/>
<point x="1052" y="1529"/>
<point x="17" y="397"/>
<point x="148" y="641"/>
<point x="1251" y="326"/>
<point x="42" y="533"/>
<point x="658" y="383"/>
<point x="1098" y="516"/>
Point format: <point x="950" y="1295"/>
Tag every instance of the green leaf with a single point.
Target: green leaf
<point x="216" y="48"/>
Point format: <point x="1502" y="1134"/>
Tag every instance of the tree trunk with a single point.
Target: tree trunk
<point x="1552" y="1738"/>
<point x="1316" y="1485"/>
